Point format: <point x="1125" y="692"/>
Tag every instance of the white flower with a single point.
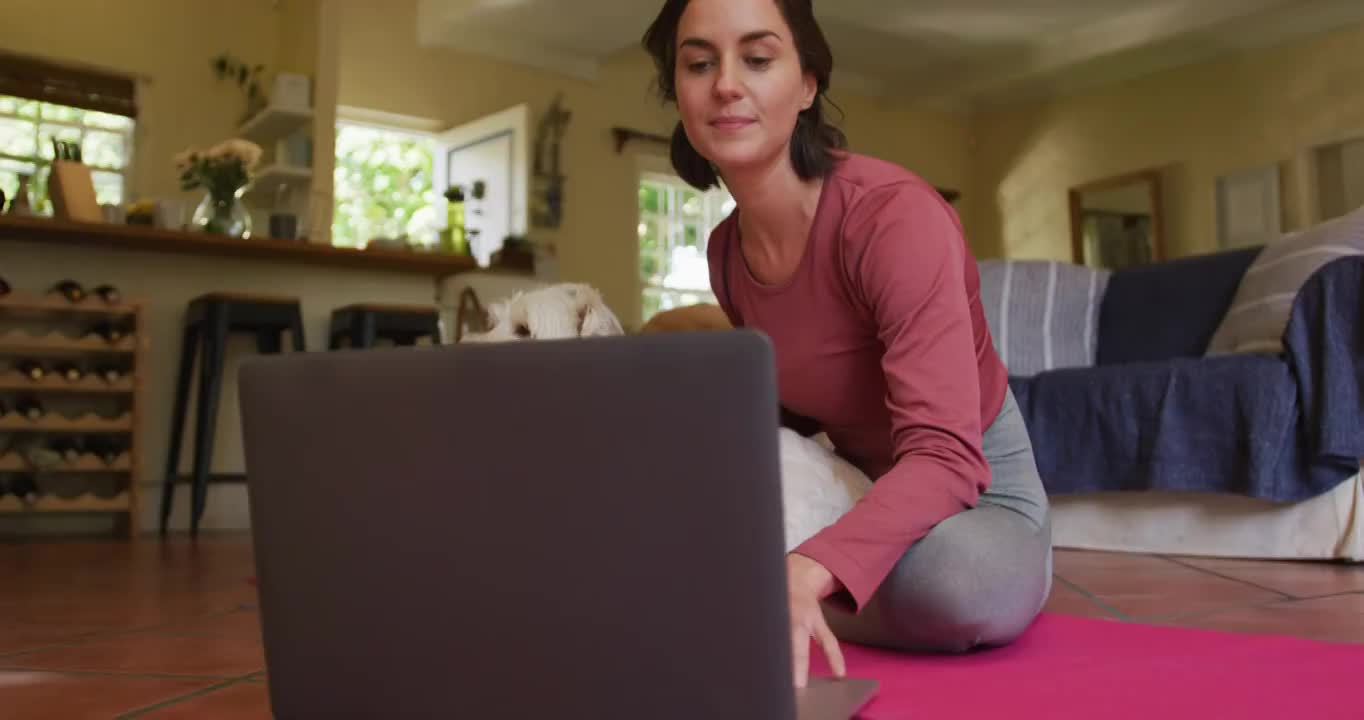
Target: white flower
<point x="243" y="151"/>
<point x="227" y="165"/>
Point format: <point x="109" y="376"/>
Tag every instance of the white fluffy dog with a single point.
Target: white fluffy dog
<point x="560" y="311"/>
<point x="818" y="486"/>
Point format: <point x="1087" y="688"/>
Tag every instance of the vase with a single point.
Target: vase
<point x="223" y="216"/>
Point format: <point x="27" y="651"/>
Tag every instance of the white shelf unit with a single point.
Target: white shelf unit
<point x="271" y="128"/>
<point x="274" y="123"/>
<point x="272" y="177"/>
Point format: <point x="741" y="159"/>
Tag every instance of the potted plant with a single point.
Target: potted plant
<point x="246" y="77"/>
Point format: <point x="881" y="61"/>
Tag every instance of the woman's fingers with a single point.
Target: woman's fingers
<point x="800" y="654"/>
<point x="832" y="652"/>
<point x="803" y="627"/>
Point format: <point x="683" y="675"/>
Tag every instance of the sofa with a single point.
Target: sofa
<point x="1210" y="405"/>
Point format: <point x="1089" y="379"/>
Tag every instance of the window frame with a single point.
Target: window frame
<point x="656" y="172"/>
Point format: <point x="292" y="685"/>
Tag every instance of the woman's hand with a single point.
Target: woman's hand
<point x="808" y="582"/>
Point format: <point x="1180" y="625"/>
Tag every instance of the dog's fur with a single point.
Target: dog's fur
<point x="564" y="310"/>
<point x="818" y="486"/>
<point x="690" y="318"/>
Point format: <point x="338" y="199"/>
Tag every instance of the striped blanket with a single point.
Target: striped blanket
<point x="1043" y="315"/>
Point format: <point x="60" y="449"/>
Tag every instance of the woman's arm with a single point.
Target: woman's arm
<point x="905" y="259"/>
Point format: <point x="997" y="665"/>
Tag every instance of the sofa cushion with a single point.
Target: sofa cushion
<point x="1259" y="311"/>
<point x="1168" y="309"/>
<point x="1042" y="315"/>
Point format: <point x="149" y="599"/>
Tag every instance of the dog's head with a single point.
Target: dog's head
<point x="565" y="310"/>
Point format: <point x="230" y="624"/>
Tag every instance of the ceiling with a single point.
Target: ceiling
<point x="952" y="53"/>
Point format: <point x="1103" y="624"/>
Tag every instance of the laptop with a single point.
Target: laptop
<point x="585" y="528"/>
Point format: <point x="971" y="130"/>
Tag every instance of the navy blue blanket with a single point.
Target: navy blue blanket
<point x="1324" y="343"/>
<point x="1282" y="428"/>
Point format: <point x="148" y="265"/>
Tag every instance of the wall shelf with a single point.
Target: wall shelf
<point x="273" y="123"/>
<point x="624" y="135"/>
<point x="136" y="238"/>
<point x="270" y="179"/>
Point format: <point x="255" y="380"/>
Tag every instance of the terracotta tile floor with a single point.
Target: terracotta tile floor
<point x="170" y="630"/>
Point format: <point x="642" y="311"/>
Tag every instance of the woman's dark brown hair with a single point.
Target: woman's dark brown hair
<point x="813" y="141"/>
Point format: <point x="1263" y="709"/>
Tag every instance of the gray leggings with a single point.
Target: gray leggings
<point x="980" y="577"/>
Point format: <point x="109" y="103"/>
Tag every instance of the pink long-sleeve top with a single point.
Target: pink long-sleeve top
<point x="879" y="336"/>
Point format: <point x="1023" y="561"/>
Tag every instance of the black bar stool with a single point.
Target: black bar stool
<point x="208" y="321"/>
<point x="362" y="326"/>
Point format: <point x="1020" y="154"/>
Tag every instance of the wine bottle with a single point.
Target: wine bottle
<point x="111" y="373"/>
<point x="69" y="370"/>
<point x="112" y="452"/>
<point x="24" y="488"/>
<point x="71" y="290"/>
<point x="32" y="369"/>
<point x="108" y="293"/>
<point x="42" y="459"/>
<point x="107" y="448"/>
<point x="30" y="408"/>
<point x="69" y="448"/>
<point x="111" y="333"/>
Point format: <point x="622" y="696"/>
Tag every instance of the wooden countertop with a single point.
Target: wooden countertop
<point x="149" y="239"/>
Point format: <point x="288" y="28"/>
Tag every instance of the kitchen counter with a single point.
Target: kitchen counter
<point x="165" y="270"/>
<point x="138" y="237"/>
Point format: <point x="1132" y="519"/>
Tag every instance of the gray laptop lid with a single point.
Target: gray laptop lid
<point x="581" y="528"/>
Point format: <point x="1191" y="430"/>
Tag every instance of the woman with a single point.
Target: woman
<point x="858" y="272"/>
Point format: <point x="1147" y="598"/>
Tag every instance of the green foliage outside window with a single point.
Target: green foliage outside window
<point x="383" y="186"/>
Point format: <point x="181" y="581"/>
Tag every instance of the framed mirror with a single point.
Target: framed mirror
<point x="1117" y="222"/>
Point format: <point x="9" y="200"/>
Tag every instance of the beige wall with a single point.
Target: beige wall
<point x="297" y="45"/>
<point x="1013" y="164"/>
<point x="1134" y="198"/>
<point x="1194" y="123"/>
<point x="167" y="283"/>
<point x="382" y="68"/>
<point x="171" y="44"/>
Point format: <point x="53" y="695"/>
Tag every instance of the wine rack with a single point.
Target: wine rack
<point x="70" y="397"/>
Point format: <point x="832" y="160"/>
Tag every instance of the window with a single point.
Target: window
<point x="383" y="186"/>
<point x="27" y="129"/>
<point x="42" y="101"/>
<point x="675" y="222"/>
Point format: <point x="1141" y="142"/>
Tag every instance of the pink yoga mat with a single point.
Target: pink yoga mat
<point x="1069" y="667"/>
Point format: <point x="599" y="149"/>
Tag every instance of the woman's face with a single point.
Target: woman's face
<point x="739" y="82"/>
